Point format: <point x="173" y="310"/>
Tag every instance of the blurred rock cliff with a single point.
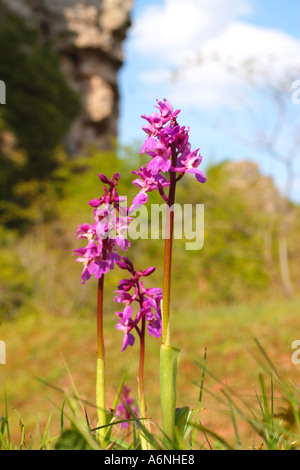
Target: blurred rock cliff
<point x="88" y="36"/>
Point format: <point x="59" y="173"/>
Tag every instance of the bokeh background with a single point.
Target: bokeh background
<point x="78" y="76"/>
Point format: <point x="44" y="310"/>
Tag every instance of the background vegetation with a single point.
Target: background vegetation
<point x="223" y="295"/>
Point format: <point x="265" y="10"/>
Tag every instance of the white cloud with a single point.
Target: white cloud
<point x="171" y="33"/>
<point x="169" y="30"/>
<point x="242" y="41"/>
<point x="272" y="54"/>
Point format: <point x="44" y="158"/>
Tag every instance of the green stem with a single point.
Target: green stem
<point x="168" y="355"/>
<point x="168" y="371"/>
<point x="100" y="374"/>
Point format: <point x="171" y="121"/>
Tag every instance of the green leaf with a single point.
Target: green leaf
<point x="71" y="439"/>
<point x="181" y="418"/>
<point x="169" y="357"/>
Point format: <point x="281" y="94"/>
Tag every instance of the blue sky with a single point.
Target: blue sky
<point x="169" y="35"/>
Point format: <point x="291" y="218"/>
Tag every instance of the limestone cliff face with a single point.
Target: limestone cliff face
<point x="88" y="35"/>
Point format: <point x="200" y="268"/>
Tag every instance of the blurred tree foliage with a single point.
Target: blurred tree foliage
<point x="45" y="192"/>
<point x="230" y="268"/>
<point x="40" y="108"/>
<point x="14" y="280"/>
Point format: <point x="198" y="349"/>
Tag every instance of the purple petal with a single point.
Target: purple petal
<point x="159" y="164"/>
<point x="83" y="228"/>
<point x="125" y="285"/>
<point x="103" y="178"/>
<point x="147" y="271"/>
<point x="198" y="174"/>
<point x="140" y="199"/>
<point x="122" y="265"/>
<point x="113" y="258"/>
<point x="98" y="268"/>
<point x="128" y="340"/>
<point x="127" y="312"/>
<point x="122" y="242"/>
<point x="151" y="302"/>
<point x="149" y="144"/>
<point x="166" y="108"/>
<point x="123" y="297"/>
<point x="80" y="251"/>
<point x="155" y="328"/>
<point x="85" y="276"/>
<point x="154" y="291"/>
<point x="139" y="183"/>
<point x="95" y="202"/>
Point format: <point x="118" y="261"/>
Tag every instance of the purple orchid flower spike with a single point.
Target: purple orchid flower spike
<point x="104" y="237"/>
<point x="125" y="410"/>
<point x="132" y="291"/>
<point x="106" y="234"/>
<point x="147" y="314"/>
<point x="167" y="144"/>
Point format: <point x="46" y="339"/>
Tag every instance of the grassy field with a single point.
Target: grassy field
<point x="39" y="347"/>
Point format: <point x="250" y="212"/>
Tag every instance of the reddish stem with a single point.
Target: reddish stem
<point x="100" y="338"/>
<point x="142" y="361"/>
<point x="168" y="255"/>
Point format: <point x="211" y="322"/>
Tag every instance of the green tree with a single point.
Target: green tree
<point x="39" y="110"/>
<point x="40" y="104"/>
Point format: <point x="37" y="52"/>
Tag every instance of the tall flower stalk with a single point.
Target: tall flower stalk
<point x="99" y="256"/>
<point x="100" y="370"/>
<point x="168" y="145"/>
<point x="166" y="337"/>
<point x="132" y="291"/>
